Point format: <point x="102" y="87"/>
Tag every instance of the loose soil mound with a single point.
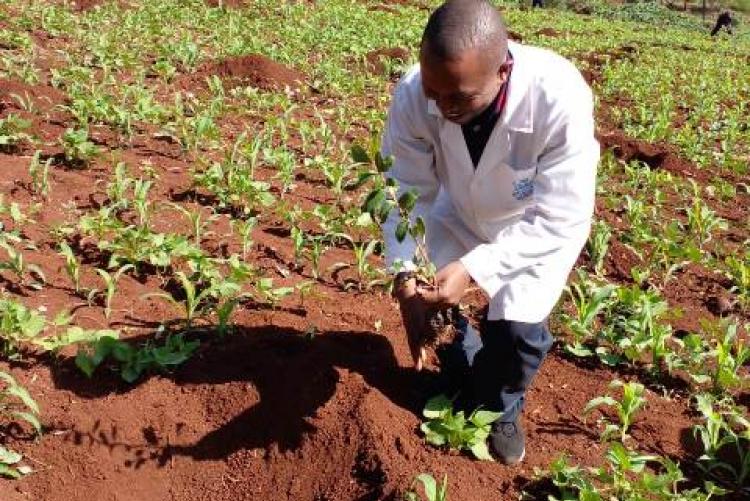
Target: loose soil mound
<point x="252" y="70"/>
<point x="229" y="4"/>
<point x="388" y="5"/>
<point x="375" y="60"/>
<point x="548" y="32"/>
<point x="655" y="155"/>
<point x="84" y="5"/>
<point x="43" y="97"/>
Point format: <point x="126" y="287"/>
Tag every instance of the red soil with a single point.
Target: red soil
<point x="252" y="70"/>
<point x="230" y="4"/>
<point x="375" y="60"/>
<point x="271" y="412"/>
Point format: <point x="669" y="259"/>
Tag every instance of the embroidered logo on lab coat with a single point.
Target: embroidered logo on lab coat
<point x="523" y="188"/>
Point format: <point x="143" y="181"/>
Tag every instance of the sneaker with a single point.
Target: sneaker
<point x="507" y="442"/>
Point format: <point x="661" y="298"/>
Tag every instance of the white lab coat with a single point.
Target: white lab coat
<point x="519" y="220"/>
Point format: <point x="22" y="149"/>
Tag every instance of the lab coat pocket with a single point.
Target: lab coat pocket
<point x="505" y="192"/>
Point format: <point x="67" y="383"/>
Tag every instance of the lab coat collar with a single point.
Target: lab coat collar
<point x="519" y="112"/>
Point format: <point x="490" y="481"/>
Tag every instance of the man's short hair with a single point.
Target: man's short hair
<point x="460" y="25"/>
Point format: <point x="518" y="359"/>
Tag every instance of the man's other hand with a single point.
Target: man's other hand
<point x="450" y="286"/>
<point x="414" y="315"/>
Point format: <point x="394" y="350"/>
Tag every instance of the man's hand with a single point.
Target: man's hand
<point x="414" y="315"/>
<point x="450" y="286"/>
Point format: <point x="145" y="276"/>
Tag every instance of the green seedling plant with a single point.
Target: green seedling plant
<point x="143" y="207"/>
<point x="725" y="438"/>
<point x="77" y="148"/>
<point x="624" y="477"/>
<point x="245" y="231"/>
<point x="432" y="490"/>
<point x="446" y="428"/>
<point x="270" y="294"/>
<point x="18" y="324"/>
<point x="368" y="276"/>
<point x="197" y="224"/>
<point x="13" y="132"/>
<point x="702" y="221"/>
<point x="73" y="335"/>
<point x="30" y="275"/>
<point x="110" y="285"/>
<point x="132" y="362"/>
<point x="197" y="299"/>
<point x="729" y="354"/>
<point x="118" y="188"/>
<point x="15" y="404"/>
<point x="72" y="266"/>
<point x="386" y="197"/>
<point x="632" y="401"/>
<point x="738" y="270"/>
<point x="598" y="245"/>
<point x="589" y="301"/>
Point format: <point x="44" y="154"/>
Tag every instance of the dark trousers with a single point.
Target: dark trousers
<point x="537" y="3"/>
<point x="493" y="371"/>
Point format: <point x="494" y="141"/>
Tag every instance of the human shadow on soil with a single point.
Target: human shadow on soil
<point x="293" y="374"/>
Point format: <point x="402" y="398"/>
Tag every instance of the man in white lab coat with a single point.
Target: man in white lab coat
<point x="498" y="139"/>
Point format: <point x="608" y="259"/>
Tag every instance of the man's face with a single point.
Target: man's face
<point x="462" y="87"/>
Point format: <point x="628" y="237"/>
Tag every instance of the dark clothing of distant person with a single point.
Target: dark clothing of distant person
<point x="723" y="21"/>
<point x="537" y="3"/>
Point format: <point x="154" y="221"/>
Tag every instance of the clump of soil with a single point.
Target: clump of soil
<point x="254" y="70"/>
<point x="376" y="59"/>
<point x="655" y="155"/>
<point x="516" y="36"/>
<point x="441" y="326"/>
<point x="84" y="5"/>
<point x="230" y="4"/>
<point x="548" y="32"/>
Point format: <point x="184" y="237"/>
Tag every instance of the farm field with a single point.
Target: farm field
<point x="193" y="302"/>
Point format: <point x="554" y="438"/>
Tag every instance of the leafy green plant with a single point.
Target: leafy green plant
<point x="110" y="285"/>
<point x="368" y="276"/>
<point x="232" y="182"/>
<point x="29" y="274"/>
<point x="589" y="301"/>
<point x="385" y="197"/>
<point x="632" y="401"/>
<point x="16" y="404"/>
<point x="625" y="477"/>
<point x="702" y="221"/>
<point x="72" y="266"/>
<point x="598" y="245"/>
<point x="198" y="299"/>
<point x="432" y="490"/>
<point x="725" y="438"/>
<point x="738" y="270"/>
<point x="71" y="336"/>
<point x="18" y="324"/>
<point x="728" y="353"/>
<point x="133" y="362"/>
<point x="245" y="230"/>
<point x="267" y="292"/>
<point x="13" y="131"/>
<point x="455" y="431"/>
<point x="77" y="147"/>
